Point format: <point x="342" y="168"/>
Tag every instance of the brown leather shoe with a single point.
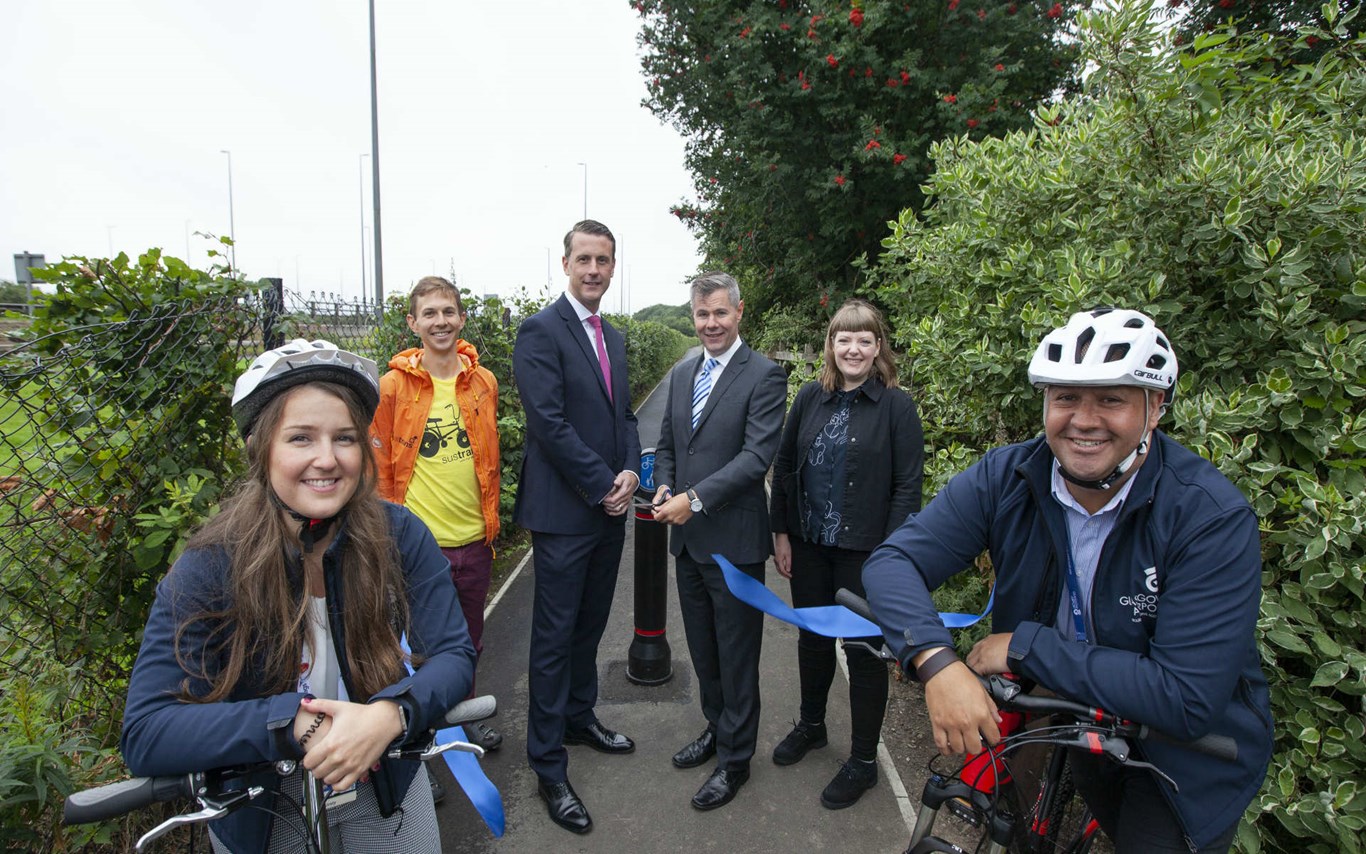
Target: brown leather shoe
<point x="564" y="806"/>
<point x="720" y="788"/>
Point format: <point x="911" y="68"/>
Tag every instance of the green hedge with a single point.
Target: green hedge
<point x="1222" y="189"/>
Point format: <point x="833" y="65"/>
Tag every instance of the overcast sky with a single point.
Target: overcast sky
<point x="116" y="111"/>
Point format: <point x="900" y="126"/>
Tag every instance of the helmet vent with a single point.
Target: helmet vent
<point x="1157" y="362"/>
<point x="1055" y="352"/>
<point x="1117" y="352"/>
<point x="1083" y="342"/>
<point x="1134" y="323"/>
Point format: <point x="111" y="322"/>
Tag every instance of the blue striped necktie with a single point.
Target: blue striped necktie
<point x="701" y="389"/>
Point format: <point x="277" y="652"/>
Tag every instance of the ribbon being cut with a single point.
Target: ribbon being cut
<point x="832" y="621"/>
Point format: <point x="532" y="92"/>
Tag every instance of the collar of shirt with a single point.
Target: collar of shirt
<point x="1066" y="499"/>
<point x="870" y="388"/>
<point x="584" y="314"/>
<point x="724" y="360"/>
<point x="580" y="310"/>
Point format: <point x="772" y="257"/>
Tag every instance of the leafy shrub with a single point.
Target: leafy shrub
<point x="651" y="350"/>
<point x="1222" y="189"/>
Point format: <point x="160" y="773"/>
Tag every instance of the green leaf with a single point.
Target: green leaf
<point x="1330" y="673"/>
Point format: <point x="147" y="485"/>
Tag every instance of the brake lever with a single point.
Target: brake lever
<point x="435" y="750"/>
<point x="1138" y="763"/>
<point x="211" y="809"/>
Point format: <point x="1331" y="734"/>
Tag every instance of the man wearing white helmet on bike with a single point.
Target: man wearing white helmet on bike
<point x="1128" y="577"/>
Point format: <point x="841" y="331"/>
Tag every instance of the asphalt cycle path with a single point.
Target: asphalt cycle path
<point x="639" y="802"/>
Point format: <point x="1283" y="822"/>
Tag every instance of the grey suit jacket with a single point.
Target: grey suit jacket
<point x="726" y="458"/>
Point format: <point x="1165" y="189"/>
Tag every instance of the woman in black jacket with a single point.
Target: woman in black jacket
<point x="848" y="472"/>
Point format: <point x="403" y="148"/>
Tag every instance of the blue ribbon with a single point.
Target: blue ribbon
<point x="831" y="621"/>
<point x="468" y="773"/>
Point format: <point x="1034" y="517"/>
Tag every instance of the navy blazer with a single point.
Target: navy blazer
<point x="577" y="438"/>
<point x="725" y="458"/>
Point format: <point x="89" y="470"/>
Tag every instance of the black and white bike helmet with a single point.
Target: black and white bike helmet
<point x="1107" y="347"/>
<point x="297" y="362"/>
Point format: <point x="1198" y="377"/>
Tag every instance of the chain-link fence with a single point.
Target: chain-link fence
<point x="114" y="438"/>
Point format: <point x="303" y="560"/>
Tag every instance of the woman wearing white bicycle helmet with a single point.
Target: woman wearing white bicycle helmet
<point x="276" y="635"/>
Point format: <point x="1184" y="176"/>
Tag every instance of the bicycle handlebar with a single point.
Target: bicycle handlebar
<point x="1005" y="692"/>
<point x="855" y="603"/>
<point x="115" y="799"/>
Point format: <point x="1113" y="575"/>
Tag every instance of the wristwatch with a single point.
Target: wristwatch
<point x="694" y="502"/>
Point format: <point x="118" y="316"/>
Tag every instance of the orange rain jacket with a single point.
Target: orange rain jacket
<point x="405" y="397"/>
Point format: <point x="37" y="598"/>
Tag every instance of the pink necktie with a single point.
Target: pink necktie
<point x="596" y="322"/>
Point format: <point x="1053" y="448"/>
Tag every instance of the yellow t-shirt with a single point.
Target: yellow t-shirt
<point x="444" y="491"/>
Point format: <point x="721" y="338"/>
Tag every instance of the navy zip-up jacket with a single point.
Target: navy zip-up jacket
<point x="164" y="736"/>
<point x="1174" y="607"/>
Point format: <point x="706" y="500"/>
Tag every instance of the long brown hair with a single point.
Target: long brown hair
<point x="265" y="620"/>
<point x="858" y="315"/>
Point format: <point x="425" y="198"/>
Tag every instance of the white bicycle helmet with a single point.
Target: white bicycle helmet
<point x="1106" y="346"/>
<point x="300" y="361"/>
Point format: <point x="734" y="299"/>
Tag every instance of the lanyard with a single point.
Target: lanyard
<point x="1074" y="598"/>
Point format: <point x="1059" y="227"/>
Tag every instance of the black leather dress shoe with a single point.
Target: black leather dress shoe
<point x="696" y="752"/>
<point x="564" y="806"/>
<point x="599" y="737"/>
<point x="720" y="788"/>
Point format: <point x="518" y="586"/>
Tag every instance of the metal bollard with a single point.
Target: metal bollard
<point x="648" y="661"/>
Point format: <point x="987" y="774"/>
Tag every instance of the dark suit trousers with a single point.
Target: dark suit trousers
<point x="576" y="577"/>
<point x="724" y="638"/>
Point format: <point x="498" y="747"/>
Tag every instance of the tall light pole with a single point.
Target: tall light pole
<point x="585" y="189"/>
<point x="232" y="220"/>
<point x="374" y="163"/>
<point x="363" y="277"/>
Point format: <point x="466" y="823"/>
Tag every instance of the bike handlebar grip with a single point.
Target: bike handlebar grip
<point x="1211" y="744"/>
<point x="854" y="602"/>
<point x="115" y="799"/>
<point x="474" y="709"/>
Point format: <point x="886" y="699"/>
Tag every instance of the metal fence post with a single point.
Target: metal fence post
<point x="274" y="305"/>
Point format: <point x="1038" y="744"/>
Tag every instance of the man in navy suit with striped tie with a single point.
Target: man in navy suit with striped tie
<point x="578" y="476"/>
<point x="720" y="432"/>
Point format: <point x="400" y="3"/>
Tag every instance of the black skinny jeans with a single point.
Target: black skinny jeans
<point x="817" y="572"/>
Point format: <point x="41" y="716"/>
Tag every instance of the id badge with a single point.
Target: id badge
<point x="334" y="798"/>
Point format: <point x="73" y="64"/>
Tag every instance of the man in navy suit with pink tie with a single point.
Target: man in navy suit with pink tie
<point x="578" y="476"/>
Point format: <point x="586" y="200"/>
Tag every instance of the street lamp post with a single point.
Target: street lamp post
<point x="363" y="277"/>
<point x="232" y="219"/>
<point x="585" y="189"/>
<point x="374" y="164"/>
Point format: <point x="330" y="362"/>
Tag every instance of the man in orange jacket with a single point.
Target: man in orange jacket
<point x="436" y="441"/>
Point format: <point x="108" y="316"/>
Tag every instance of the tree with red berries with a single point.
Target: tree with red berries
<point x="808" y="123"/>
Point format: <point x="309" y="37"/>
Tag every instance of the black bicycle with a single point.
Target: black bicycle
<point x="982" y="791"/>
<point x="217" y="792"/>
